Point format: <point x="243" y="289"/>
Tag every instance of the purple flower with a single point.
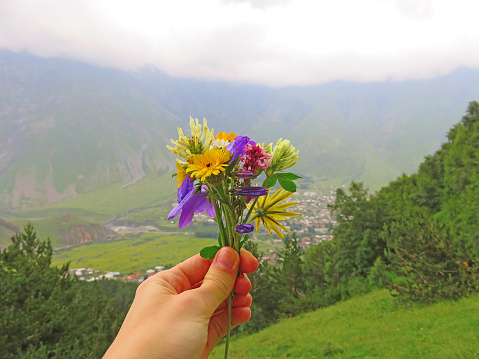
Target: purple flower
<point x="243" y="174"/>
<point x="244" y="228"/>
<point x="190" y="203"/>
<point x="250" y="191"/>
<point x="185" y="187"/>
<point x="236" y="147"/>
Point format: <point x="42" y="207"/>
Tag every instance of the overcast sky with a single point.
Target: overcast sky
<point x="273" y="42"/>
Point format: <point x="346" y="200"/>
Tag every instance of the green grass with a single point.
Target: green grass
<point x="133" y="252"/>
<point x="371" y="326"/>
<point x="45" y="228"/>
<point x="54" y="228"/>
<point x="5" y="235"/>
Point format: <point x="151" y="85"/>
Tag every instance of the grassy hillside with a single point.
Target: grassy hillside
<point x="133" y="252"/>
<point x="371" y="326"/>
<point x="7" y="229"/>
<point x="62" y="230"/>
<point x="104" y="205"/>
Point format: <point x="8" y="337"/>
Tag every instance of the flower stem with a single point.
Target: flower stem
<point x="230" y="298"/>
<point x="251" y="209"/>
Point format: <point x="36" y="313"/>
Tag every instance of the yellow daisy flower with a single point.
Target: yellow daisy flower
<point x="198" y="143"/>
<point x="212" y="162"/>
<point x="269" y="211"/>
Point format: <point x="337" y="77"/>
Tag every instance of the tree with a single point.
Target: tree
<point x="360" y="220"/>
<point x="45" y="313"/>
<point x="426" y="264"/>
<point x="265" y="304"/>
<point x="320" y="270"/>
<point x="288" y="277"/>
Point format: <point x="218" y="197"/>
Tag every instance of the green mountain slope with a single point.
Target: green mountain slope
<point x="62" y="230"/>
<point x="68" y="129"/>
<point x="114" y="202"/>
<point x="371" y="326"/>
<point x="7" y="229"/>
<point x="371" y="132"/>
<point x="133" y="252"/>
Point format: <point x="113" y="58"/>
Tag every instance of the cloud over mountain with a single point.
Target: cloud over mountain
<point x="278" y="43"/>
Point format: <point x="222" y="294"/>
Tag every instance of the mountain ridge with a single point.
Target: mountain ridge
<point x="67" y="128"/>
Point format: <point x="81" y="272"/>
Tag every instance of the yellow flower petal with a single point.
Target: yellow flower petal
<point x="198" y="143"/>
<point x="180" y="174"/>
<point x="226" y="136"/>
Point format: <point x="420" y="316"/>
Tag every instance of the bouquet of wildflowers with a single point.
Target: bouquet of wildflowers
<point x="216" y="175"/>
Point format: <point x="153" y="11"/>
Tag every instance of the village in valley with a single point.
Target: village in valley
<point x="313" y="227"/>
<point x="315" y="224"/>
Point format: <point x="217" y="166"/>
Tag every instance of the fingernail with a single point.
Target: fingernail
<point x="226" y="258"/>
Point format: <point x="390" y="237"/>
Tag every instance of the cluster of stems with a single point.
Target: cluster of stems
<point x="229" y="213"/>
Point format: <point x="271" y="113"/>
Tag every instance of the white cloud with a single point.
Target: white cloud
<point x="260" y="4"/>
<point x="278" y="43"/>
<point x="422" y="9"/>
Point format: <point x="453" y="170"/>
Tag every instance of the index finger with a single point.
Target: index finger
<point x="196" y="267"/>
<point x="193" y="268"/>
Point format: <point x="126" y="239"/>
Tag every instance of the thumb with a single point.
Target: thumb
<point x="220" y="279"/>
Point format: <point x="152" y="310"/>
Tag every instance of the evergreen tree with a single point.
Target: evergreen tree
<point x="288" y="277"/>
<point x="44" y="312"/>
<point x="360" y="220"/>
<point x="265" y="304"/>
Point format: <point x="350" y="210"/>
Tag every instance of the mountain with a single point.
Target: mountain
<point x="371" y="132"/>
<point x="68" y="128"/>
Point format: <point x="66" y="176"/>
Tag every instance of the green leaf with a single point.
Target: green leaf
<point x="288" y="185"/>
<point x="257" y="174"/>
<point x="209" y="252"/>
<point x="213" y="196"/>
<point x="270" y="182"/>
<point x="288" y="176"/>
<point x="232" y="165"/>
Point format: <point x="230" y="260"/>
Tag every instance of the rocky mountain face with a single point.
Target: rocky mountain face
<point x="68" y="128"/>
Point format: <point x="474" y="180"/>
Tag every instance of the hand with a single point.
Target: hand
<point x="182" y="312"/>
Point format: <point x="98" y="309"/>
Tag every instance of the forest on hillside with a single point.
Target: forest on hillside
<point x="418" y="236"/>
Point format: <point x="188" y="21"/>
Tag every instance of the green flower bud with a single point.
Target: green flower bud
<point x="284" y="155"/>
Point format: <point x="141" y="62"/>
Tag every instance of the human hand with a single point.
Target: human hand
<point x="182" y="312"/>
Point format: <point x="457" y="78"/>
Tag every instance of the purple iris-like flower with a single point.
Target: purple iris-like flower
<point x="236" y="147"/>
<point x="243" y="174"/>
<point x="250" y="191"/>
<point x="244" y="228"/>
<point x="185" y="187"/>
<point x="190" y="203"/>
